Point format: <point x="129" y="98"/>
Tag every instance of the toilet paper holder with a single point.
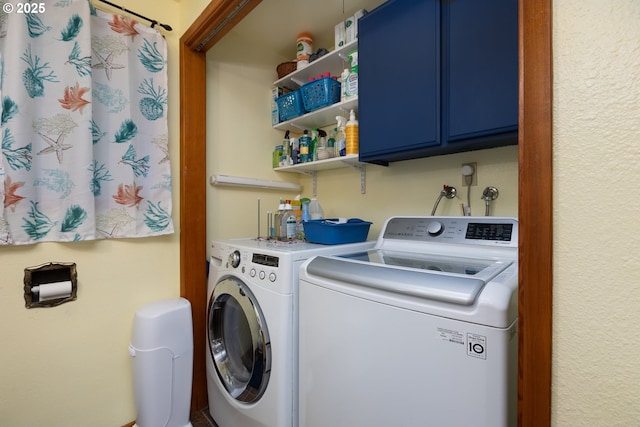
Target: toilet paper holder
<point x="50" y="284"/>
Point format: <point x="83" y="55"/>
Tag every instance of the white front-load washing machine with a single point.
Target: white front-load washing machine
<point x="252" y="332"/>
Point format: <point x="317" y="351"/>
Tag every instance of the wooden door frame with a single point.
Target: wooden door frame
<point x="534" y="199"/>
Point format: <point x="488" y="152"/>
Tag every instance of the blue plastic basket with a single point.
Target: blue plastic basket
<point x="290" y="105"/>
<point x="320" y="93"/>
<point x="327" y="232"/>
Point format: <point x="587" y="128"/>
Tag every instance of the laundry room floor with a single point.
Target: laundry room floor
<point x="202" y="418"/>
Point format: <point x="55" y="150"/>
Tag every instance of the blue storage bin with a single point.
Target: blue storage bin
<point x="290" y="105"/>
<point x="320" y="93"/>
<point x="328" y="232"/>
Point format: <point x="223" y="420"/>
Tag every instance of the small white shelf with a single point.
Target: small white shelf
<point x="334" y="62"/>
<point x="312" y="168"/>
<point x="319" y="165"/>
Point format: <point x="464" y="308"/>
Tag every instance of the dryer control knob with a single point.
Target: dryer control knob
<point x="435" y="228"/>
<point x="234" y="259"/>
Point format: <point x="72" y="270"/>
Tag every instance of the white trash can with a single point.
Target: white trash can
<point x="162" y="353"/>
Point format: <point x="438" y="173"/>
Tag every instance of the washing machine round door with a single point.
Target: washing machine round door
<point x="239" y="340"/>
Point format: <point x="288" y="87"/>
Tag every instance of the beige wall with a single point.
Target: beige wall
<point x="69" y="365"/>
<point x="596" y="368"/>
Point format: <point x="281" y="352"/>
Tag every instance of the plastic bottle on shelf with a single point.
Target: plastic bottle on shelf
<point x="277" y="154"/>
<point x="304" y="49"/>
<point x="321" y="147"/>
<point x="331" y="143"/>
<point x="344" y="77"/>
<point x="315" y="210"/>
<point x="295" y="150"/>
<point x="286" y="150"/>
<point x="351" y="83"/>
<point x="351" y="132"/>
<point x="341" y="137"/>
<point x="305" y="144"/>
<point x="313" y="147"/>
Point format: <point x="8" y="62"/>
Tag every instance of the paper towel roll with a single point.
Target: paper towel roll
<point x="49" y="291"/>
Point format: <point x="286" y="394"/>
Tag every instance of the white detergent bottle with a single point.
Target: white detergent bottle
<point x="315" y="210"/>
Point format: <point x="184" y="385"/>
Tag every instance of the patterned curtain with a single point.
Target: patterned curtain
<point x="83" y="126"/>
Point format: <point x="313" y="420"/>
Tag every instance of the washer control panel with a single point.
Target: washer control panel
<point x="493" y="231"/>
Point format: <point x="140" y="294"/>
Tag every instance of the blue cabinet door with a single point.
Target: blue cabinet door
<point x="437" y="77"/>
<point x="399" y="80"/>
<point x="480" y="71"/>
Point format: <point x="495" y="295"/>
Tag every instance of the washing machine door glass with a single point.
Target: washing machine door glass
<point x="239" y="340"/>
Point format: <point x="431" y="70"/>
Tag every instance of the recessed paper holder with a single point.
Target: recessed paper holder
<point x="57" y="275"/>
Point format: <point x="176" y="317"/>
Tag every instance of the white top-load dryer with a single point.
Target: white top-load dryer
<point x="418" y="331"/>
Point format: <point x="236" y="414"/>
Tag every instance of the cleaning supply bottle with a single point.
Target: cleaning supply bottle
<point x="278" y="218"/>
<point x="352" y="78"/>
<point x="286" y="150"/>
<point x="344" y="77"/>
<point x="321" y="147"/>
<point x="295" y="150"/>
<point x="331" y="143"/>
<point x="351" y="132"/>
<point x="315" y="210"/>
<point x="305" y="145"/>
<point x="305" y="217"/>
<point x="313" y="148"/>
<point x="341" y="137"/>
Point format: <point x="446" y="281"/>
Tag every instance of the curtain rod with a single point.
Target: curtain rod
<point x="153" y="21"/>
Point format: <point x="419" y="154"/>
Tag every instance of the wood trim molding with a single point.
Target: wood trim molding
<point x="534" y="202"/>
<point x="194" y="44"/>
<point x="535" y="211"/>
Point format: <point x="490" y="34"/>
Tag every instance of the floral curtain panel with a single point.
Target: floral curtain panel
<point x="83" y="126"/>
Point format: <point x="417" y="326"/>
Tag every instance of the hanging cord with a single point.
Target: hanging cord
<point x="448" y="192"/>
<point x="153" y="21"/>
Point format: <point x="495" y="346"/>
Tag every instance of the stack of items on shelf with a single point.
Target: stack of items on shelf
<point x="347" y="31"/>
<point x="312" y="91"/>
<point x="316" y="144"/>
<point x="321" y="91"/>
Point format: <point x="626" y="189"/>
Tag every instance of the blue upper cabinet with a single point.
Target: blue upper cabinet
<point x="437" y="77"/>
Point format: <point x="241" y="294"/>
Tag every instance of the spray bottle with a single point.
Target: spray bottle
<point x="313" y="147"/>
<point x="331" y="143"/>
<point x="351" y="131"/>
<point x="341" y="137"/>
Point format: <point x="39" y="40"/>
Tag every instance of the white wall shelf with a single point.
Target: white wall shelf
<point x="334" y="62"/>
<point x="312" y="168"/>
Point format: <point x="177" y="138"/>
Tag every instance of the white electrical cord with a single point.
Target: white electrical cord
<point x="467" y="172"/>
